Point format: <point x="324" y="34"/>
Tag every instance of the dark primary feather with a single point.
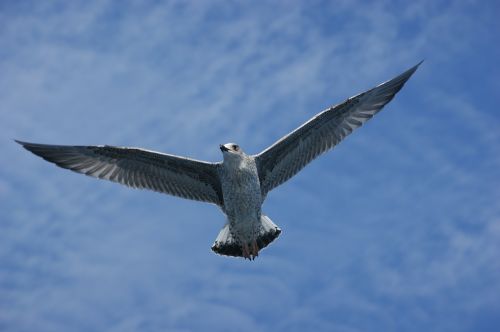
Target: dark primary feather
<point x="138" y="168"/>
<point x="290" y="154"/>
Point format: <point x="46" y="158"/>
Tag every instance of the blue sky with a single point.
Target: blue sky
<point x="397" y="229"/>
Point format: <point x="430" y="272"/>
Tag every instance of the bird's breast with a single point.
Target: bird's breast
<point x="242" y="194"/>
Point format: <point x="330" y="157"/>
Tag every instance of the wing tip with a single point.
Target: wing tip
<point x="31" y="146"/>
<point x="24" y="144"/>
<point x="407" y="74"/>
<point x="399" y="81"/>
<point x="20" y="142"/>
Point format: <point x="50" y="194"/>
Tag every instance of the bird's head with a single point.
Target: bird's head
<point x="231" y="151"/>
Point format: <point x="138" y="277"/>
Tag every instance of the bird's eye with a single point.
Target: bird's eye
<point x="235" y="147"/>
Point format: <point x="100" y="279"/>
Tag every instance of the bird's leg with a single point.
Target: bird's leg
<point x="246" y="251"/>
<point x="255" y="249"/>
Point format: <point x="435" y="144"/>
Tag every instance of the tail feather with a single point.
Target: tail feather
<point x="268" y="233"/>
<point x="226" y="244"/>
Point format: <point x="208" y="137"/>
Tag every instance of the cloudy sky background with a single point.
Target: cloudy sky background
<point x="397" y="229"/>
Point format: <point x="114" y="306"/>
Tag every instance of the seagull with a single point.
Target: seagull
<point x="239" y="184"/>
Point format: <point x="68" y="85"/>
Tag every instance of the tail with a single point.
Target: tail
<point x="226" y="244"/>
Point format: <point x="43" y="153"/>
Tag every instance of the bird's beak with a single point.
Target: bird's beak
<point x="223" y="148"/>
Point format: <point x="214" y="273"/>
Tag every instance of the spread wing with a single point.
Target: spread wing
<point x="290" y="154"/>
<point x="138" y="168"/>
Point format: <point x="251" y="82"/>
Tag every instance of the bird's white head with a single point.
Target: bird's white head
<point x="231" y="151"/>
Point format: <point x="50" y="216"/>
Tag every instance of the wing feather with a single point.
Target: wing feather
<point x="138" y="168"/>
<point x="290" y="154"/>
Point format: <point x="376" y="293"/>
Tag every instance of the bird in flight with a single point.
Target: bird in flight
<point x="240" y="183"/>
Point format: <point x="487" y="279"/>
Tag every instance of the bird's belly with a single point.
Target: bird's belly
<point x="242" y="201"/>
